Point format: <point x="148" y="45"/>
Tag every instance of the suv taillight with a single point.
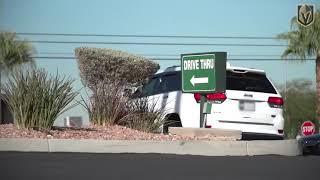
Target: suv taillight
<point x="217" y="97"/>
<point x="213" y="97"/>
<point x="275" y="102"/>
<point x="197" y="97"/>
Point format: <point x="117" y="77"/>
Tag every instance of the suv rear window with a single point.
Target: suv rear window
<point x="249" y="82"/>
<point x="168" y="82"/>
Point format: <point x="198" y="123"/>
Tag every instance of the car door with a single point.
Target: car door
<point x="163" y="91"/>
<point x="169" y="88"/>
<point x="151" y="91"/>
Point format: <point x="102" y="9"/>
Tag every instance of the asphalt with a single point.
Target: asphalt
<point x="83" y="166"/>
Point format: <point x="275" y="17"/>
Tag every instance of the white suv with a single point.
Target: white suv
<point x="251" y="103"/>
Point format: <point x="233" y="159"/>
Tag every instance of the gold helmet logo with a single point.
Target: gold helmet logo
<point x="305" y="14"/>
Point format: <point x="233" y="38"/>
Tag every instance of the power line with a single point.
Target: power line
<point x="178" y="59"/>
<point x="173" y="55"/>
<point x="157" y="44"/>
<point x="53" y="57"/>
<point x="234" y="55"/>
<point x="55" y="53"/>
<point x="267" y="59"/>
<point x="255" y="55"/>
<point x="144" y="36"/>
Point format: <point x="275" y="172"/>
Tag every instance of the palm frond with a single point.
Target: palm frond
<point x="302" y="41"/>
<point x="14" y="52"/>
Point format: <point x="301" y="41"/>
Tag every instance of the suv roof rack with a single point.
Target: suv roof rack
<point x="171" y="68"/>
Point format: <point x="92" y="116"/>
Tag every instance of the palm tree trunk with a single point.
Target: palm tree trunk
<point x="318" y="91"/>
<point x="1" y="120"/>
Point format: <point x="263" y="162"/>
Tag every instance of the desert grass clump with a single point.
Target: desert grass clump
<point x="36" y="98"/>
<point x="107" y="104"/>
<point x="144" y="115"/>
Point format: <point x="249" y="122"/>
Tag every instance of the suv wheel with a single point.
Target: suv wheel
<point x="172" y="120"/>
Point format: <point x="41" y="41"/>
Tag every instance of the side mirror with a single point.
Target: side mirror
<point x="137" y="93"/>
<point x="139" y="89"/>
<point x="128" y="92"/>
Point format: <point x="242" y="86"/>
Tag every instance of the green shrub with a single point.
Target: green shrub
<point x="36" y="99"/>
<point x="300" y="105"/>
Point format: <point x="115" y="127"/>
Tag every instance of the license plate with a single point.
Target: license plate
<point x="247" y="106"/>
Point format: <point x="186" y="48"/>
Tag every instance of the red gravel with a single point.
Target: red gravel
<point x="95" y="132"/>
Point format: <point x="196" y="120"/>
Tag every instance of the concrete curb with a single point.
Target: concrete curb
<point x="202" y="132"/>
<point x="205" y="148"/>
<point x="27" y="145"/>
<point x="284" y="147"/>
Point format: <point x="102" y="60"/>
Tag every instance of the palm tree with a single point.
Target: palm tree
<point x="304" y="42"/>
<point x="13" y="53"/>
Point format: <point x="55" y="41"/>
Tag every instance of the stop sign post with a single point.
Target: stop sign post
<point x="307" y="128"/>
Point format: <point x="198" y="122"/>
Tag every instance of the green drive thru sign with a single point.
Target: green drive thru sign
<point x="203" y="72"/>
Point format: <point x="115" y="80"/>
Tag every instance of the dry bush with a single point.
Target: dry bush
<point x="111" y="66"/>
<point x="108" y="73"/>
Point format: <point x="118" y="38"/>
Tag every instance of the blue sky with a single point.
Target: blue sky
<point x="165" y="17"/>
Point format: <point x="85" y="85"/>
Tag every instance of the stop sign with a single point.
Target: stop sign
<point x="307" y="128"/>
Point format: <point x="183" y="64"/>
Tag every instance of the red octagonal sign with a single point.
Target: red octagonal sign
<point x="307" y="128"/>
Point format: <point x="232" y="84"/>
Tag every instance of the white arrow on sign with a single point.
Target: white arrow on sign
<point x="199" y="80"/>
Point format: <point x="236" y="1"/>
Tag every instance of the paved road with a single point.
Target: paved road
<point x="58" y="166"/>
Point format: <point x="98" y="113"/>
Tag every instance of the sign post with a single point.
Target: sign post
<point x="202" y="101"/>
<point x="203" y="73"/>
<point x="308" y="128"/>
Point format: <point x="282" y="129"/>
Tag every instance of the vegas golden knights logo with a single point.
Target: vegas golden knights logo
<point x="305" y="14"/>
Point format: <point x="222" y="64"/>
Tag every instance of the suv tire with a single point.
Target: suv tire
<point x="172" y="120"/>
